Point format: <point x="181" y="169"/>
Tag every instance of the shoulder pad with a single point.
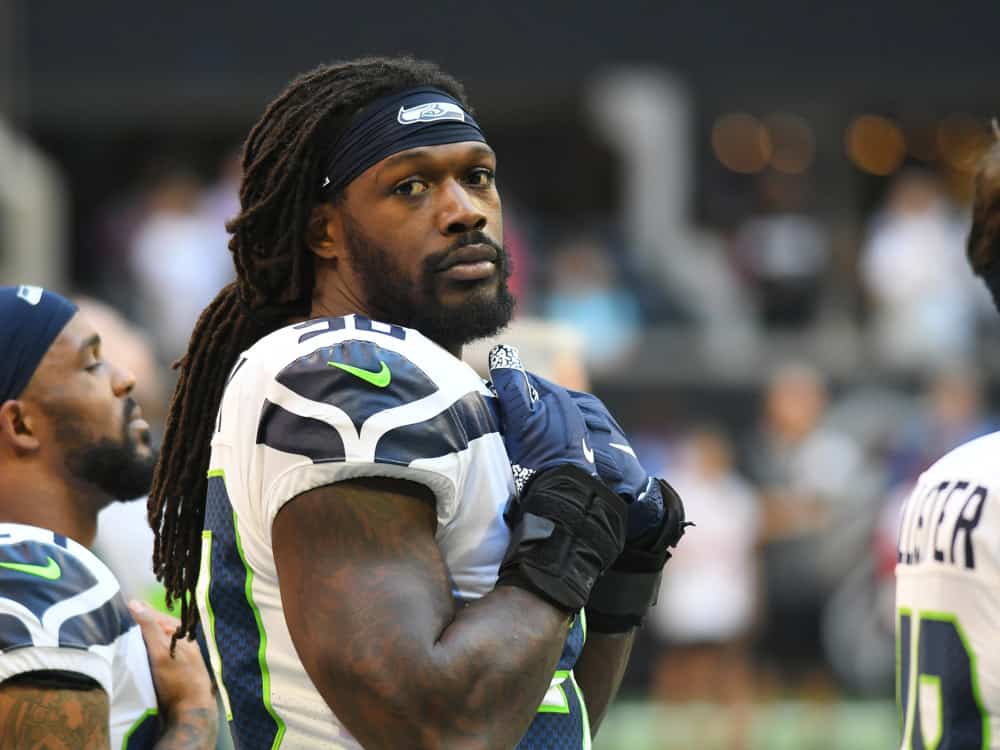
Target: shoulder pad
<point x="359" y="378"/>
<point x="56" y="597"/>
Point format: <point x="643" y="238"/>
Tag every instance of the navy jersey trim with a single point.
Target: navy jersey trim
<point x="98" y="627"/>
<point x="318" y="377"/>
<point x="239" y="636"/>
<point x="283" y="431"/>
<point x="13" y="633"/>
<point x="35" y="592"/>
<point x="451" y="431"/>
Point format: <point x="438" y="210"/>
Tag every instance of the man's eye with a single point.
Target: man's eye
<point x="411" y="187"/>
<point x="481" y="177"/>
<point x="94" y="367"/>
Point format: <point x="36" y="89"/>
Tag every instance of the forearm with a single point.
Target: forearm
<point x="600" y="669"/>
<point x="476" y="683"/>
<point x="192" y="728"/>
<point x="493" y="664"/>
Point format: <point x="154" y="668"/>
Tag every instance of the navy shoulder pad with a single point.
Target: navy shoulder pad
<point x="37" y="576"/>
<point x="358" y="377"/>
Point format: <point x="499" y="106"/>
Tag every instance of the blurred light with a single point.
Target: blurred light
<point x="875" y="144"/>
<point x="741" y="143"/>
<point x="792" y="142"/>
<point x="921" y="142"/>
<point x="962" y="140"/>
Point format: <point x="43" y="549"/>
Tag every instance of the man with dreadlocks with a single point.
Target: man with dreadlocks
<point x="336" y="486"/>
<point x="948" y="562"/>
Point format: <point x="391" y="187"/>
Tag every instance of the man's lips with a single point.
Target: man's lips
<point x="470" y="263"/>
<point x="477" y="253"/>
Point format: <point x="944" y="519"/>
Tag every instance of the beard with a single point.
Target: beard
<point x="116" y="467"/>
<point x="393" y="297"/>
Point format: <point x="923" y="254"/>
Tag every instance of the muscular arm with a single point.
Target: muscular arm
<point x="54" y="719"/>
<point x="368" y="604"/>
<point x="599" y="671"/>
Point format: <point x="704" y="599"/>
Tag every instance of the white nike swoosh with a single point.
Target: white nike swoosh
<point x="588" y="452"/>
<point x="624" y="449"/>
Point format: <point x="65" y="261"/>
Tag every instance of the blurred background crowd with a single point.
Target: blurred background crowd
<point x="742" y="227"/>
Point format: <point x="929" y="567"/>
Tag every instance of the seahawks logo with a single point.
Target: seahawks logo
<point x="429" y="113"/>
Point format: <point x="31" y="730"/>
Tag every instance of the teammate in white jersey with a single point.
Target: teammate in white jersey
<point x="367" y="571"/>
<point x="75" y="670"/>
<point x="948" y="562"/>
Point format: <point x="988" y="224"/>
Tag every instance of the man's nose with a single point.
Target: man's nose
<point x="460" y="213"/>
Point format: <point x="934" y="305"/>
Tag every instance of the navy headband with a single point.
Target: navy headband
<point x="416" y="117"/>
<point x="30" y="320"/>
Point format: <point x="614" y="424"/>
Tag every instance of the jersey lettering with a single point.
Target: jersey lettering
<point x="933" y="524"/>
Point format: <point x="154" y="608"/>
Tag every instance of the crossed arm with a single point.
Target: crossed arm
<point x="368" y="605"/>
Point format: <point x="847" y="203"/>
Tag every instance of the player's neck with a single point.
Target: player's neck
<point x="48" y="504"/>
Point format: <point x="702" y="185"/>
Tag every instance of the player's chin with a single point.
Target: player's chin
<point x="454" y="293"/>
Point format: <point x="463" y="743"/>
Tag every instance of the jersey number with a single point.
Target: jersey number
<point x="937" y="685"/>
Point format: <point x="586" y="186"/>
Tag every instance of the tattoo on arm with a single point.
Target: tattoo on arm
<point x="189" y="729"/>
<point x="36" y="718"/>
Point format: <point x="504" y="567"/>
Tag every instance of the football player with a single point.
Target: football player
<point x="77" y="668"/>
<point x="948" y="562"/>
<point x="335" y="481"/>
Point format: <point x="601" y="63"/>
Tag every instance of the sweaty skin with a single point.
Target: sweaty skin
<point x="401" y="666"/>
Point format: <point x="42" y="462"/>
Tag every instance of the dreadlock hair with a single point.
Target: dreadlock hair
<point x="283" y="164"/>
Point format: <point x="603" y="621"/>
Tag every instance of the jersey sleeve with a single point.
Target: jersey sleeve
<point x="358" y="408"/>
<point x="59" y="610"/>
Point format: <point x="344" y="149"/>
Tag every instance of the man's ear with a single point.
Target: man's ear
<point x="16" y="429"/>
<point x="326" y="231"/>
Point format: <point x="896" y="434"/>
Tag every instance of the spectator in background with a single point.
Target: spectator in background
<point x="586" y="293"/>
<point x="784" y="253"/>
<point x="923" y="296"/>
<point x="951" y="413"/>
<point x="179" y="259"/>
<point x="709" y="594"/>
<point x="812" y="482"/>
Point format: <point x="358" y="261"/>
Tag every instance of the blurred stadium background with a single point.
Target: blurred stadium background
<point x="741" y="223"/>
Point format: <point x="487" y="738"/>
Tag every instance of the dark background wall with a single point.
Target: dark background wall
<point x="114" y="62"/>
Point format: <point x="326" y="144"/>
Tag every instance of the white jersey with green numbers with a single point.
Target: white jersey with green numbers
<point x="948" y="603"/>
<point x="320" y="402"/>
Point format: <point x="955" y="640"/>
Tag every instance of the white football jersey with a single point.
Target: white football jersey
<point x="61" y="610"/>
<point x="313" y="404"/>
<point x="948" y="603"/>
